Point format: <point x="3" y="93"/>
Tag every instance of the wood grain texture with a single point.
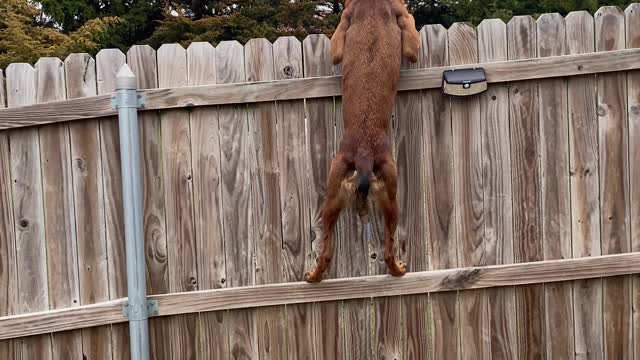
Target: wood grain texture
<point x="365" y="287"/>
<point x="496" y="172"/>
<point x="265" y="191"/>
<point x="320" y="149"/>
<point x="142" y="60"/>
<point x="28" y="210"/>
<point x="439" y="191"/>
<point x="213" y="340"/>
<point x="614" y="184"/>
<point x="178" y="194"/>
<point x="409" y="149"/>
<point x="80" y="76"/>
<point x="468" y="197"/>
<point x="8" y="264"/>
<point x="108" y="62"/>
<point x="236" y="190"/>
<point x="59" y="211"/>
<point x="556" y="205"/>
<point x="584" y="184"/>
<point x="294" y="204"/>
<point x="632" y="21"/>
<point x="525" y="69"/>
<point x="525" y="152"/>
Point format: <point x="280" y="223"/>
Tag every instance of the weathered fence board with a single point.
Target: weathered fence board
<point x="8" y="272"/>
<point x="142" y="60"/>
<point x="632" y="14"/>
<point x="28" y="210"/>
<point x="236" y="148"/>
<point x="320" y="149"/>
<point x="439" y="190"/>
<point x="584" y="184"/>
<point x="88" y="195"/>
<point x="496" y="182"/>
<point x="614" y="187"/>
<point x="555" y="199"/>
<point x="108" y="62"/>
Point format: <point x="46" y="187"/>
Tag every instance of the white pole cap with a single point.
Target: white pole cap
<point x="126" y="79"/>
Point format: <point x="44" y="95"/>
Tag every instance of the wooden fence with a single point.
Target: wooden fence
<point x="518" y="205"/>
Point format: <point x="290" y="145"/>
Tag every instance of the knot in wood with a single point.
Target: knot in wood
<point x="461" y="279"/>
<point x="24" y="223"/>
<point x="601" y="110"/>
<point x="635" y="109"/>
<point x="288" y="71"/>
<point x="80" y="164"/>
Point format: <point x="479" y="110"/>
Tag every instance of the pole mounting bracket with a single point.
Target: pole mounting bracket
<point x="138" y="313"/>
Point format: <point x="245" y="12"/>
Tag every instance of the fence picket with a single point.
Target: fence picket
<point x="8" y="272"/>
<point x="321" y="144"/>
<point x="213" y="340"/>
<point x="80" y="72"/>
<point x="614" y="187"/>
<point x="556" y="206"/>
<point x="28" y="210"/>
<point x="525" y="150"/>
<point x="265" y="196"/>
<point x="142" y="60"/>
<point x="498" y="214"/>
<point x="108" y="62"/>
<point x="178" y="190"/>
<point x="584" y="183"/>
<point x="439" y="188"/>
<point x="632" y="20"/>
<point x="59" y="212"/>
<point x="236" y="191"/>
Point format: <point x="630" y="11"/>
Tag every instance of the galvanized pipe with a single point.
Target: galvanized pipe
<point x="136" y="308"/>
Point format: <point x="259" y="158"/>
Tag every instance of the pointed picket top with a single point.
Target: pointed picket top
<point x="463" y="43"/>
<point x="632" y="16"/>
<point x="230" y="62"/>
<point x="108" y="63"/>
<point x="551" y="35"/>
<point x="579" y="29"/>
<point x="317" y="56"/>
<point x="492" y="40"/>
<point x="172" y="66"/>
<point x="434" y="38"/>
<point x="287" y="58"/>
<point x="125" y="79"/>
<point x="201" y="63"/>
<point x="80" y="75"/>
<point x="610" y="29"/>
<point x="258" y="58"/>
<point x="521" y="35"/>
<point x="21" y="84"/>
<point x="142" y="60"/>
<point x="50" y="80"/>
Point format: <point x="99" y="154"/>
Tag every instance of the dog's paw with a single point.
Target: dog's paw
<point x="399" y="268"/>
<point x="311" y="277"/>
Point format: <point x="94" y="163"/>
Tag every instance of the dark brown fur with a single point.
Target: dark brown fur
<point x="370" y="41"/>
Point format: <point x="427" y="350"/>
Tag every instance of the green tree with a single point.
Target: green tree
<point x="23" y="40"/>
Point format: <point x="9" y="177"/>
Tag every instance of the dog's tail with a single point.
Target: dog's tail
<point x="364" y="168"/>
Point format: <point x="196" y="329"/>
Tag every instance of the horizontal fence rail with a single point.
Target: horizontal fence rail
<point x="329" y="290"/>
<point x="252" y="92"/>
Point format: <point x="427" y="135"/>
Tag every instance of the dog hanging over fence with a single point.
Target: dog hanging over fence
<point x="370" y="40"/>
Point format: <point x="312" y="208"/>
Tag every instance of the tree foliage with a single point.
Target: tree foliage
<point x="30" y="29"/>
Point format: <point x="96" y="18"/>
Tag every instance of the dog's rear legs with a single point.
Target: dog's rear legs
<point x="336" y="199"/>
<point x="385" y="190"/>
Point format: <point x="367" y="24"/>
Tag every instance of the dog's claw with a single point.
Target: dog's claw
<point x="399" y="268"/>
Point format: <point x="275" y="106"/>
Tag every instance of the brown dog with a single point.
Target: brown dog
<point x="370" y="41"/>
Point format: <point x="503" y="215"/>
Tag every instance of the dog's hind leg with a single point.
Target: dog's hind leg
<point x="340" y="192"/>
<point x="385" y="189"/>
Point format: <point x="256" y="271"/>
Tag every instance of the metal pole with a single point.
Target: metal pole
<point x="136" y="308"/>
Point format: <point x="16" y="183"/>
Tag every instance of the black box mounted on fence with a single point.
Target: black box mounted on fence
<point x="464" y="82"/>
